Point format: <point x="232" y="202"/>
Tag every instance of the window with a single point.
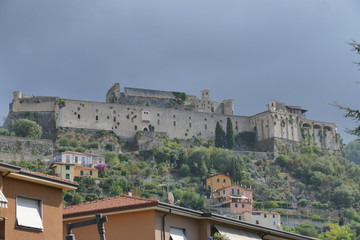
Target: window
<point x="29" y="213"/>
<point x="158" y="122"/>
<point x="189" y="125"/>
<point x="97" y="118"/>
<point x="223" y="191"/>
<point x="177" y="234"/>
<point x="76" y="159"/>
<point x="236" y="205"/>
<point x="232" y="191"/>
<point x="91" y="173"/>
<point x="78" y="116"/>
<point x="82" y="173"/>
<point x="218" y="179"/>
<point x="257" y="221"/>
<point x="174" y="123"/>
<point x="67" y="176"/>
<point x="67" y="159"/>
<point x="243" y="205"/>
<point x="224" y="180"/>
<point x="238" y="191"/>
<point x="67" y="167"/>
<point x="135" y="128"/>
<point x="205" y="127"/>
<point x="265" y="216"/>
<point x="273" y="216"/>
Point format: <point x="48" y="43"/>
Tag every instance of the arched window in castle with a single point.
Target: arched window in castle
<point x="145" y="129"/>
<point x="135" y="128"/>
<point x="78" y="116"/>
<point x="97" y="117"/>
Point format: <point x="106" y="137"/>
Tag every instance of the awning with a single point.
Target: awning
<point x="236" y="234"/>
<point x="3" y="200"/>
<point x="177" y="234"/>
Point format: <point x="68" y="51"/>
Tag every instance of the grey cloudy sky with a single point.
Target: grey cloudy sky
<point x="252" y="51"/>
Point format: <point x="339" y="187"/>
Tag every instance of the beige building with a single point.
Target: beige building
<point x="263" y="218"/>
<point x="138" y="219"/>
<point x="31" y="204"/>
<point x="70" y="171"/>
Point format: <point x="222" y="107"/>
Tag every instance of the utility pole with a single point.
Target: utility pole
<point x="99" y="221"/>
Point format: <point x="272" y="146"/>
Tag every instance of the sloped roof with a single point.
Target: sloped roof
<point x="122" y="202"/>
<point x="40" y="178"/>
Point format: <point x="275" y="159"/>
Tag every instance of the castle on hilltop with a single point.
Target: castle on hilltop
<point x="175" y="114"/>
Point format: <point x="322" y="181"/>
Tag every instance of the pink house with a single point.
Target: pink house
<point x="237" y="198"/>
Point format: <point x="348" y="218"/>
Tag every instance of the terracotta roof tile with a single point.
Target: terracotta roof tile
<point x="112" y="204"/>
<point x="50" y="177"/>
<point x="75" y="153"/>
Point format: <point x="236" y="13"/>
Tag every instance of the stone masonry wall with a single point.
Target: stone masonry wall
<point x="17" y="148"/>
<point x="126" y="120"/>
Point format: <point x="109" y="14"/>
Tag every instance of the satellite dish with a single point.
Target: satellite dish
<point x="171" y="198"/>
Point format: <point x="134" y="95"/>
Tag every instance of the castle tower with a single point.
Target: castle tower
<point x="17" y="95"/>
<point x="113" y="94"/>
<point x="228" y="106"/>
<point x="272" y="106"/>
<point x="205" y="94"/>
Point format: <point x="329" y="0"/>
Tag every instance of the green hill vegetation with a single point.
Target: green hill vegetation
<point x="317" y="186"/>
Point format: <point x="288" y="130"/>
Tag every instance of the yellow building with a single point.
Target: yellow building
<point x="217" y="181"/>
<point x="70" y="170"/>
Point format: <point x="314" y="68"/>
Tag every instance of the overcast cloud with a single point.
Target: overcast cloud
<point x="249" y="50"/>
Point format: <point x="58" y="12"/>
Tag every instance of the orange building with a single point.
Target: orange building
<point x="139" y="219"/>
<point x="217" y="181"/>
<point x="31" y="204"/>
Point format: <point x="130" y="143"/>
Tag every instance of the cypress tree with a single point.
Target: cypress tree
<point x="219" y="136"/>
<point x="230" y="141"/>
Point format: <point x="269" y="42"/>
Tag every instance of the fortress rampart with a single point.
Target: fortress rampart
<point x="176" y="114"/>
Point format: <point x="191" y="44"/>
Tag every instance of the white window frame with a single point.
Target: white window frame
<point x="29" y="213"/>
<point x="177" y="233"/>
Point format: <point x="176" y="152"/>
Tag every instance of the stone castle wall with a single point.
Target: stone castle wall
<point x="126" y="120"/>
<point x="17" y="148"/>
<point x="150" y="110"/>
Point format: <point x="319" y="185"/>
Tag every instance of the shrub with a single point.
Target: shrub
<point x="110" y="146"/>
<point x="27" y="128"/>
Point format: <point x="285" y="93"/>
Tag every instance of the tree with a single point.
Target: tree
<point x="230" y="141"/>
<point x="27" y="128"/>
<point x="353" y="113"/>
<point x="219" y="136"/>
<point x="352" y="151"/>
<point x="336" y="232"/>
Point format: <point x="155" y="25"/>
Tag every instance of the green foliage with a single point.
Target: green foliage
<point x="73" y="143"/>
<point x="218" y="236"/>
<point x="220" y="136"/>
<point x="230" y="141"/>
<point x="61" y="102"/>
<point x="180" y="97"/>
<point x="184" y="170"/>
<point x="352" y="151"/>
<point x="335" y="232"/>
<point x="4" y="132"/>
<point x="110" y="146"/>
<point x="307" y="229"/>
<point x="246" y="138"/>
<point x="189" y="198"/>
<point x="27" y="128"/>
<point x="38" y="165"/>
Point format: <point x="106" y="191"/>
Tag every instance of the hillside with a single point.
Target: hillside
<point x="308" y="186"/>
